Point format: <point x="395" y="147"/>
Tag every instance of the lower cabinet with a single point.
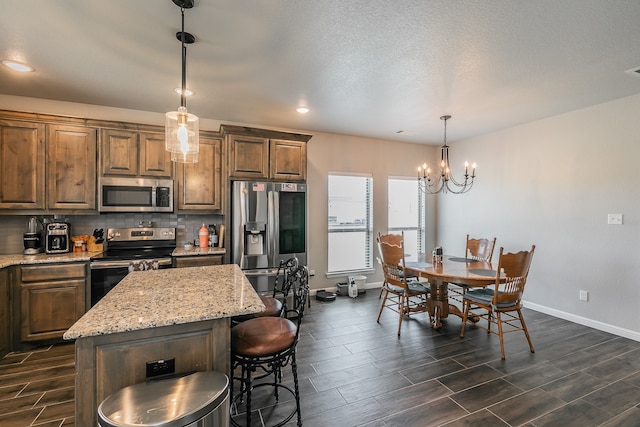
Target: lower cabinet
<point x="197" y="260"/>
<point x="5" y="314"/>
<point x="48" y="299"/>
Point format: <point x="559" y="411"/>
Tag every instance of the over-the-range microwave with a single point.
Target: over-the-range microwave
<point x="124" y="194"/>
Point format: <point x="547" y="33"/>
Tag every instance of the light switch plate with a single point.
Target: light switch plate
<point x="614" y="219"/>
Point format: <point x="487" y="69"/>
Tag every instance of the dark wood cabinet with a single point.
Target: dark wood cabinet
<point x="288" y="160"/>
<point x="48" y="300"/>
<point x="71" y="167"/>
<point x="22" y="158"/>
<point x="265" y="154"/>
<point x="133" y="153"/>
<point x="200" y="184"/>
<point x="5" y="314"/>
<point x="197" y="260"/>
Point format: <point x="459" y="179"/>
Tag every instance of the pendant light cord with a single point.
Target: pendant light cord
<point x="183" y="96"/>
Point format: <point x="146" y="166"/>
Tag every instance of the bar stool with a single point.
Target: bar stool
<point x="275" y="303"/>
<point x="266" y="345"/>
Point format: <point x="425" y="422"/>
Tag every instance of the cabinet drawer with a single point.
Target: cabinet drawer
<point x="52" y="272"/>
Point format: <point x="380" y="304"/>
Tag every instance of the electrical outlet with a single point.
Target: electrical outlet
<point x="156" y="368"/>
<point x="614" y="219"/>
<point x="584" y="296"/>
<point x="312" y="272"/>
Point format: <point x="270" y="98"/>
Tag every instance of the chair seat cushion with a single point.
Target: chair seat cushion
<point x="262" y="336"/>
<point x="415" y="287"/>
<point x="273" y="307"/>
<point x="485" y="296"/>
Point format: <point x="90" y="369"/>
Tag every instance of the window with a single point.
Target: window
<point x="350" y="223"/>
<point x="406" y="213"/>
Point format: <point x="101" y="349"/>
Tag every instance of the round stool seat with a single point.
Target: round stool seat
<point x="262" y="336"/>
<point x="273" y="307"/>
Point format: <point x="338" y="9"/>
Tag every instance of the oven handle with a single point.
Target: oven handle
<point x="102" y="265"/>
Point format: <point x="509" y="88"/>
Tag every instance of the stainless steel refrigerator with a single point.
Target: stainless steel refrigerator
<point x="268" y="225"/>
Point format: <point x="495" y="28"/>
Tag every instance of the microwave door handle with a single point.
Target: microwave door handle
<point x="154" y="196"/>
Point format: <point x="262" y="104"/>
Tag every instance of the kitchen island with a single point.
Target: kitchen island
<point x="181" y="314"/>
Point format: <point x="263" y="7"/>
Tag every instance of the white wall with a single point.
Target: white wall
<point x="329" y="153"/>
<point x="552" y="183"/>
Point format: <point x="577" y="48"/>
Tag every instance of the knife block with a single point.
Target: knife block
<point x="92" y="246"/>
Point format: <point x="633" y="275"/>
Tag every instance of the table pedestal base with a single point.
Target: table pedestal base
<point x="438" y="304"/>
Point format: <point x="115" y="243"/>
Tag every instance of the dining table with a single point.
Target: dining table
<point x="454" y="270"/>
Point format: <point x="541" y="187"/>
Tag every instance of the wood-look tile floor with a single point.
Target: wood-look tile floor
<point x="356" y="372"/>
<point x="37" y="387"/>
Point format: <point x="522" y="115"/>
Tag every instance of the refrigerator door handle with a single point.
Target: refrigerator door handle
<point x="272" y="233"/>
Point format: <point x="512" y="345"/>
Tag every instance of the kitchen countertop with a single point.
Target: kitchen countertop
<point x="154" y="298"/>
<point x="194" y="251"/>
<point x="42" y="258"/>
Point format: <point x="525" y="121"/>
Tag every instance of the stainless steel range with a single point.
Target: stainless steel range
<point x="124" y="246"/>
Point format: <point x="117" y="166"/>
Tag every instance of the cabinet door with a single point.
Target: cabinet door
<point x="49" y="309"/>
<point x="288" y="160"/>
<point x="21" y="165"/>
<point x="5" y="318"/>
<point x="155" y="160"/>
<point x="248" y="157"/>
<point x="199" y="184"/>
<point x="71" y="166"/>
<point x="119" y="152"/>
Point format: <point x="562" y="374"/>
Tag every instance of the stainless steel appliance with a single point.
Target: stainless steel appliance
<point x="125" y="245"/>
<point x="269" y="225"/>
<point x="124" y="194"/>
<point x="57" y="238"/>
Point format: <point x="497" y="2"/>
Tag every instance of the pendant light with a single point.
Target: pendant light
<point x="444" y="182"/>
<point x="182" y="128"/>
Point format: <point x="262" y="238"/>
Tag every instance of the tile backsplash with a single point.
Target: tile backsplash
<point x="187" y="226"/>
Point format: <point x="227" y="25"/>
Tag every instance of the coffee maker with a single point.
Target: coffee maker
<point x="57" y="237"/>
<point x="32" y="238"/>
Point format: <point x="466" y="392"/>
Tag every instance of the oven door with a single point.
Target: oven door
<point x="105" y="275"/>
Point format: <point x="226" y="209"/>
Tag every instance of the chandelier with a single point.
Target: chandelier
<point x="444" y="182"/>
<point x="182" y="128"/>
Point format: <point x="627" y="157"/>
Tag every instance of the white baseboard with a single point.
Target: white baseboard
<point x="616" y="330"/>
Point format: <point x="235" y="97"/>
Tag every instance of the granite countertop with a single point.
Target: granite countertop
<point x="42" y="258"/>
<point x="194" y="251"/>
<point x="154" y="298"/>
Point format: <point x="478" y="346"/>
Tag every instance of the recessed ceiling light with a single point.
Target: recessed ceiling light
<point x="302" y="110"/>
<point x="17" y="66"/>
<point x="187" y="91"/>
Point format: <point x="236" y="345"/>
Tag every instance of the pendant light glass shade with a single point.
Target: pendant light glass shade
<point x="182" y="131"/>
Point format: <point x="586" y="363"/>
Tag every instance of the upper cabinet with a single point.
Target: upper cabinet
<point x="47" y="166"/>
<point x="71" y="167"/>
<point x="265" y="154"/>
<point x="200" y="184"/>
<point x="132" y="153"/>
<point x="22" y="165"/>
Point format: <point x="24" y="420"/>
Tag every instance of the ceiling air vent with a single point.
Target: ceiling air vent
<point x="634" y="71"/>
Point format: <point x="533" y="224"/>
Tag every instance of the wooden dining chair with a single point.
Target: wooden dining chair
<point x="393" y="239"/>
<point x="480" y="249"/>
<point x="402" y="294"/>
<point x="501" y="305"/>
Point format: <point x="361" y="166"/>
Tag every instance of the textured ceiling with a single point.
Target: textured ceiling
<point x="363" y="67"/>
